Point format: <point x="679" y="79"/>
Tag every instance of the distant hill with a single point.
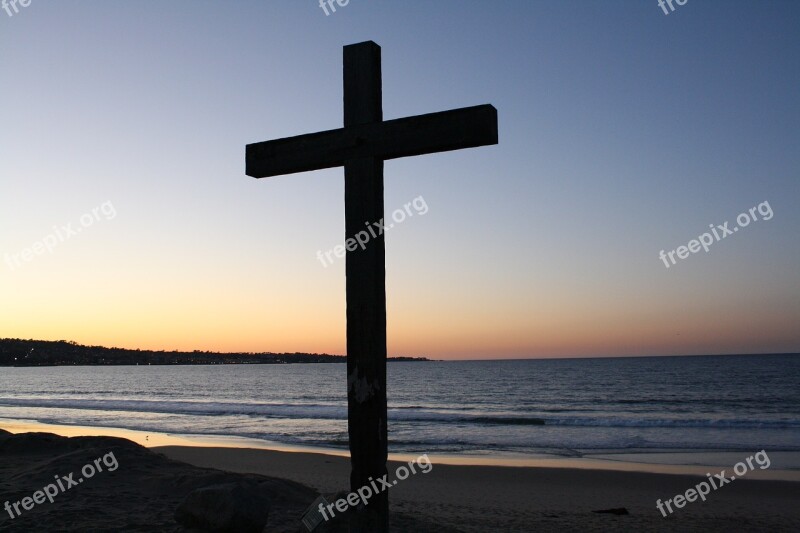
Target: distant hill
<point x="19" y="352"/>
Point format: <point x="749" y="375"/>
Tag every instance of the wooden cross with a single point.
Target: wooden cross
<point x="362" y="146"/>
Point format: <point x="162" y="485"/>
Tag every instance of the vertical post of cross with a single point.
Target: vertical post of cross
<point x="361" y="146"/>
<point x="366" y="292"/>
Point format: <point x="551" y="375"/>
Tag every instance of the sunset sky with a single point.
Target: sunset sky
<point x="623" y="132"/>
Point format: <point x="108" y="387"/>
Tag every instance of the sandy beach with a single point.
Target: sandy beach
<point x="149" y="484"/>
<point x="490" y="498"/>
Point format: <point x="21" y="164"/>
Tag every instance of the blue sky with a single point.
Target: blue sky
<point x="623" y="131"/>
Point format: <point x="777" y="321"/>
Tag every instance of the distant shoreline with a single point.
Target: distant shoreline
<point x="33" y="353"/>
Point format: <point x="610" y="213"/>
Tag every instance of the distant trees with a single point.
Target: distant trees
<point x="19" y="352"/>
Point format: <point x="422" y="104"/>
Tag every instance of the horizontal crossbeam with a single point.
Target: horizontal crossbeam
<point x="423" y="134"/>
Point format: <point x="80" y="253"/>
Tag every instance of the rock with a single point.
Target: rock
<point x="32" y="443"/>
<point x="229" y="507"/>
<point x="616" y="510"/>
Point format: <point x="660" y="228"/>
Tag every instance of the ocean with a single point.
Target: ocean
<point x="565" y="407"/>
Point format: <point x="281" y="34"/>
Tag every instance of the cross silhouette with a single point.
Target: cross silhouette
<point x="361" y="147"/>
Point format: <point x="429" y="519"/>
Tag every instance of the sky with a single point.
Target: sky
<point x="127" y="220"/>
